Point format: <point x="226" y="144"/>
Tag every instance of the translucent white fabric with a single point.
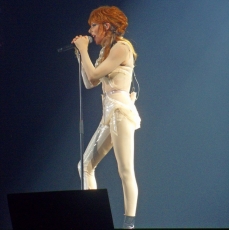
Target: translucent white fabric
<point x="111" y="106"/>
<point x="116" y="130"/>
<point x="123" y="144"/>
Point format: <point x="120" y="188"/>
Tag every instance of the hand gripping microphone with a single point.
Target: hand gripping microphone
<point x="71" y="46"/>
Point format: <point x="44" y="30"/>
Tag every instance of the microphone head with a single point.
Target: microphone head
<point x="90" y="39"/>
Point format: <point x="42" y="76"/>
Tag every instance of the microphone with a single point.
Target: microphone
<point x="71" y="46"/>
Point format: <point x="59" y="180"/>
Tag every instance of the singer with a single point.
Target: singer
<point x="113" y="69"/>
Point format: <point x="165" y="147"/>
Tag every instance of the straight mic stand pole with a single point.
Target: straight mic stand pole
<point x="81" y="126"/>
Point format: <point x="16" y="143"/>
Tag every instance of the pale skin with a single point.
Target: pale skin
<point x="119" y="55"/>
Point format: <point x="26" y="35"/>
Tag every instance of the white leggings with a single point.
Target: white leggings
<point x="123" y="143"/>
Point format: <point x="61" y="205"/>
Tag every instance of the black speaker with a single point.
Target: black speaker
<point x="61" y="210"/>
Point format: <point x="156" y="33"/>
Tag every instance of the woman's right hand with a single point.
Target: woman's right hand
<point x="81" y="42"/>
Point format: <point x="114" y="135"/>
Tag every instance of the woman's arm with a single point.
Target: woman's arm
<point x="88" y="84"/>
<point x="117" y="55"/>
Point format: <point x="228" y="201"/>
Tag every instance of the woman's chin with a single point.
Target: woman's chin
<point x="97" y="42"/>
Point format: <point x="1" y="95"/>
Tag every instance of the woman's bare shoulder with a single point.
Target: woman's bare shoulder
<point x="121" y="46"/>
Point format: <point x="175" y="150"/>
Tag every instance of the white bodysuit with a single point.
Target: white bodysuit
<point x="119" y="121"/>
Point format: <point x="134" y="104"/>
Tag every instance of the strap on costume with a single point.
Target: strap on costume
<point x="134" y="78"/>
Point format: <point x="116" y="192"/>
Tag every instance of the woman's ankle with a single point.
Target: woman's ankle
<point x="128" y="222"/>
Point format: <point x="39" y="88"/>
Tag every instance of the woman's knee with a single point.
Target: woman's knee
<point x="126" y="173"/>
<point x="79" y="166"/>
<point x="86" y="167"/>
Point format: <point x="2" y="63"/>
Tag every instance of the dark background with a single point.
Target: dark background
<point x="182" y="148"/>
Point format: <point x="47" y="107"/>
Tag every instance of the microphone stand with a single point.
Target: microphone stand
<point x="81" y="125"/>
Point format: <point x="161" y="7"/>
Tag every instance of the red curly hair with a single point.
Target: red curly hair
<point x="118" y="21"/>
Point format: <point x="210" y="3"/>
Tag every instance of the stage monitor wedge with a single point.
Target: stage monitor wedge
<point x="61" y="210"/>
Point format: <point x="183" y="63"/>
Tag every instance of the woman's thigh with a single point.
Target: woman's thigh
<point x="123" y="142"/>
<point x="99" y="145"/>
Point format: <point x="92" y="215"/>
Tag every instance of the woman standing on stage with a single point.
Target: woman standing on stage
<point x="113" y="69"/>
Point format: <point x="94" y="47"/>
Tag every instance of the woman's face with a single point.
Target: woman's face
<point x="95" y="33"/>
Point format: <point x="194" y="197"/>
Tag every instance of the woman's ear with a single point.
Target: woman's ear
<point x="107" y="25"/>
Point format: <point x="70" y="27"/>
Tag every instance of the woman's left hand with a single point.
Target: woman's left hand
<point x="81" y="42"/>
